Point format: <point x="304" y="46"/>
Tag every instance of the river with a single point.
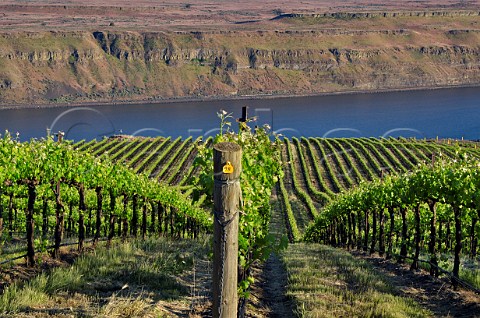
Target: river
<point x="443" y="113"/>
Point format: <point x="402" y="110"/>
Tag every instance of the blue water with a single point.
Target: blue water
<point x="446" y="113"/>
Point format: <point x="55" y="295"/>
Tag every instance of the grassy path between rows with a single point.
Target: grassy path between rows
<point x="436" y="294"/>
<point x="311" y="280"/>
<point x="321" y="281"/>
<point x="329" y="282"/>
<point x="332" y="282"/>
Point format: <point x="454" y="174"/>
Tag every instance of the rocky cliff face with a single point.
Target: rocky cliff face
<point x="61" y="67"/>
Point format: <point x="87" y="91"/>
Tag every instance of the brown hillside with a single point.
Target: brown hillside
<point x="112" y="51"/>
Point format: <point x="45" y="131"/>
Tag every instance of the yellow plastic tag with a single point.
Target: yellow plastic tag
<point x="228" y="168"/>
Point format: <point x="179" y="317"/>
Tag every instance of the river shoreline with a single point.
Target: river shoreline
<point x="227" y="97"/>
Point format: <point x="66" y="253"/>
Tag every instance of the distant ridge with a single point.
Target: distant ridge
<point x="378" y="14"/>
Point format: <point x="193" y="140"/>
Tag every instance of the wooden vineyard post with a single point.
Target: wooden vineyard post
<point x="226" y="196"/>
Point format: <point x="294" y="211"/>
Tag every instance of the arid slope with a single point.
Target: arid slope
<point x="301" y="53"/>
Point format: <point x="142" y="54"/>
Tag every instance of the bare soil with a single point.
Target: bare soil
<point x="268" y="296"/>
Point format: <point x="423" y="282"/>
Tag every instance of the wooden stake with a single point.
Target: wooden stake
<point x="227" y="196"/>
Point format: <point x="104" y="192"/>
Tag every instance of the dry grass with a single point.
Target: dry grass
<point x="328" y="282"/>
<point x="123" y="307"/>
<point x="152" y="278"/>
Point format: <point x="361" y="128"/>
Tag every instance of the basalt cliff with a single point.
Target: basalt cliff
<point x="117" y="65"/>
